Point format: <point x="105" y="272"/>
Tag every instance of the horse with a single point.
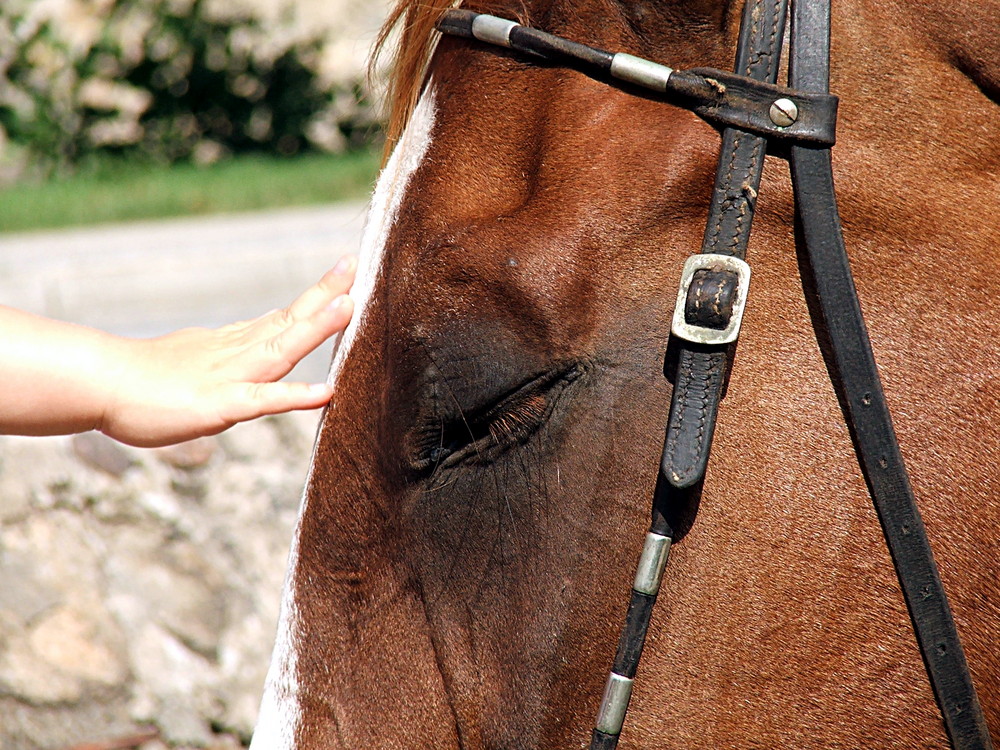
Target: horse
<point x="481" y="480"/>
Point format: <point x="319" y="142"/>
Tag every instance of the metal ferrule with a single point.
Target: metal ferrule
<point x="617" y="693"/>
<point x="492" y="30"/>
<point x="645" y="73"/>
<point x="651" y="564"/>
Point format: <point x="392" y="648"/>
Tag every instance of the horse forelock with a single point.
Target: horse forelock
<point x="410" y="58"/>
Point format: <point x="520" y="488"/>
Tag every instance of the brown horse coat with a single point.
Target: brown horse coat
<point x="482" y="480"/>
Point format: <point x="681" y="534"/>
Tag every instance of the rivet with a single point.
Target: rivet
<point x="784" y="112"/>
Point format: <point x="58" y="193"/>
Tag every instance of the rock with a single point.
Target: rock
<point x="249" y="440"/>
<point x="225" y="742"/>
<point x="185" y="605"/>
<point x="23" y="597"/>
<point x="77" y="645"/>
<point x="178" y="686"/>
<point x="32" y="473"/>
<point x="192" y="454"/>
<point x="101" y="452"/>
<point x="64" y="658"/>
<point x="140" y="587"/>
<point x="63" y="549"/>
<point x="181" y="723"/>
<point x="28" y="727"/>
<point x="29" y="678"/>
<point x="162" y="507"/>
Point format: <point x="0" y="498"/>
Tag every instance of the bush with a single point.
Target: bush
<point x="164" y="80"/>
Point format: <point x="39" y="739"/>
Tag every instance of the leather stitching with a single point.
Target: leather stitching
<point x="677" y="420"/>
<point x="703" y="411"/>
<point x="713" y="239"/>
<point x="744" y="200"/>
<point x="753" y="37"/>
<point x="769" y="50"/>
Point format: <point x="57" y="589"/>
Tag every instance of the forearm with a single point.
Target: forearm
<point x="56" y="377"/>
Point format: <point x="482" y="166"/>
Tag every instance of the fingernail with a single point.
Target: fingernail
<point x="345" y="265"/>
<point x="320" y="389"/>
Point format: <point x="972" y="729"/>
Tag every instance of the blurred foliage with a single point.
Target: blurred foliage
<point x="166" y="81"/>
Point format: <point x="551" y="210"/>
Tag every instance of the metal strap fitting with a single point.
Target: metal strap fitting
<point x="653" y="560"/>
<point x="711" y="300"/>
<point x="614" y="704"/>
<point x="493" y="30"/>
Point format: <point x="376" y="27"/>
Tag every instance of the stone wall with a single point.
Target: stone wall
<point x="139" y="589"/>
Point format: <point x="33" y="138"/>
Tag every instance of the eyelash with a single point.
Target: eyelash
<point x="484" y="436"/>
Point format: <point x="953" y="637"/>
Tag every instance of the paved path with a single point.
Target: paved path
<point x="149" y="278"/>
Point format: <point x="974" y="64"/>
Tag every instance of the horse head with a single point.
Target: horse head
<point x="481" y="482"/>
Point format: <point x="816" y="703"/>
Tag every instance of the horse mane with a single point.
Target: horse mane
<point x="412" y="53"/>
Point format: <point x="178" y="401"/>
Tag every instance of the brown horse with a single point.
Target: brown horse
<point x="481" y="483"/>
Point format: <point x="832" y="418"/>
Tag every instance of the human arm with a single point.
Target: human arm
<point x="61" y="378"/>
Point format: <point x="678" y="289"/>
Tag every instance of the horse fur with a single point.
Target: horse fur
<point x="482" y="480"/>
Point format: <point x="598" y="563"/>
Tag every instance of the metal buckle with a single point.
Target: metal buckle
<point x="701" y="334"/>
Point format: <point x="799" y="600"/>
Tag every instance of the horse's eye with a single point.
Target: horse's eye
<point x="481" y="434"/>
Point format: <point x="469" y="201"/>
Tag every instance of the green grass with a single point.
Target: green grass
<point x="126" y="192"/>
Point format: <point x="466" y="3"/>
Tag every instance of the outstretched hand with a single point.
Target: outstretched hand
<point x="60" y="378"/>
<point x="200" y="381"/>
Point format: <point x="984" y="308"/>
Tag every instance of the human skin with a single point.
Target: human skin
<point x="62" y="378"/>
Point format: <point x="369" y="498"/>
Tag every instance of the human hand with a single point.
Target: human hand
<point x="200" y="381"/>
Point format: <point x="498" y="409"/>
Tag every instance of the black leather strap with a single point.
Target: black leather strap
<point x="698" y="385"/>
<point x="853" y="367"/>
<point x="721" y="98"/>
<point x="730" y="100"/>
<point x="700" y="372"/>
<point x="854" y="370"/>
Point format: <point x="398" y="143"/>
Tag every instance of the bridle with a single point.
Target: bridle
<point x="796" y="122"/>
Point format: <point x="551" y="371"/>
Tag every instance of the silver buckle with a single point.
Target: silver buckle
<point x="711" y="262"/>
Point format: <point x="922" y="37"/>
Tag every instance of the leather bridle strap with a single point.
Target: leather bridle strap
<point x="853" y="369"/>
<point x="706" y="320"/>
<point x="720" y="98"/>
<point x="708" y="312"/>
<point x="755" y="113"/>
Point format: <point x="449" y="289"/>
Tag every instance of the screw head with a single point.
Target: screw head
<point x="784" y="112"/>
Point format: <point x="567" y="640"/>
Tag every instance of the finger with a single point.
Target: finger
<point x="279" y="354"/>
<point x="245" y="401"/>
<point x="315" y="299"/>
<point x="334" y="283"/>
<point x="321" y="295"/>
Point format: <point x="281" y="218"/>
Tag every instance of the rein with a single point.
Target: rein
<point x="798" y="123"/>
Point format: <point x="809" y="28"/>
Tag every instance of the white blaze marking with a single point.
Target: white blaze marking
<point x="280" y="713"/>
<point x="388" y="197"/>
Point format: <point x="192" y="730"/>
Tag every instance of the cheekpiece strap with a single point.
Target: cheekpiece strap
<point x="700" y="372"/>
